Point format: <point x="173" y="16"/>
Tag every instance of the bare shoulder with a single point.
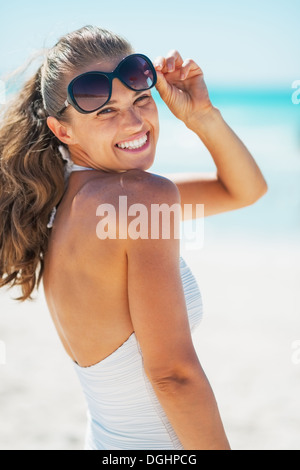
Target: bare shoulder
<point x="108" y="197"/>
<point x="136" y="185"/>
<point x="149" y="187"/>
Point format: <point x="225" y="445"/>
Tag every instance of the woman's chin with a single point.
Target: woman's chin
<point x="142" y="163"/>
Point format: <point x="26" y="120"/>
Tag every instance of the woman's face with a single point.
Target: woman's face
<point x="103" y="139"/>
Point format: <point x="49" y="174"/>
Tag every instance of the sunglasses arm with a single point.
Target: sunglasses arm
<point x="66" y="104"/>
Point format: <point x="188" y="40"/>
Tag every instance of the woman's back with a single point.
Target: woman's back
<point x="87" y="276"/>
<point x="89" y="282"/>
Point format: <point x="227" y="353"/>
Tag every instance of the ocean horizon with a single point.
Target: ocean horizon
<point x="268" y="123"/>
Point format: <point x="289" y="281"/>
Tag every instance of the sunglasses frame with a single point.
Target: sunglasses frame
<point x="71" y="100"/>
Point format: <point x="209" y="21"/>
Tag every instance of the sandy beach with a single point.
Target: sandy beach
<point x="245" y="344"/>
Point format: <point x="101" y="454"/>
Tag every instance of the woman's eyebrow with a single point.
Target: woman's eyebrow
<point x="116" y="102"/>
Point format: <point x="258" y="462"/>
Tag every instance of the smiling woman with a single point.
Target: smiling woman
<point x="129" y="121"/>
<point x="124" y="308"/>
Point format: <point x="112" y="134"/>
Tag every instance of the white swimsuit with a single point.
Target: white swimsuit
<point x="123" y="410"/>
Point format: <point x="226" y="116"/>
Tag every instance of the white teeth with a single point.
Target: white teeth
<point x="134" y="144"/>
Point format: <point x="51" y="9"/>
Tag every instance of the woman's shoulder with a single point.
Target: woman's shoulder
<point x="138" y="186"/>
<point x="136" y="177"/>
<point x="112" y="201"/>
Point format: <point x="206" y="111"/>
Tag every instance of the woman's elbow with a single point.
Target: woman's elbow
<point x="172" y="380"/>
<point x="263" y="188"/>
<point x="257" y="193"/>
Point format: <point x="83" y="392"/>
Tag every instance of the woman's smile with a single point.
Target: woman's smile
<point x="138" y="144"/>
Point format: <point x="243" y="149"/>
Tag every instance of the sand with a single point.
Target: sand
<point x="245" y="344"/>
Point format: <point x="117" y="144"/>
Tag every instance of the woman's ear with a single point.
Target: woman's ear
<point x="62" y="131"/>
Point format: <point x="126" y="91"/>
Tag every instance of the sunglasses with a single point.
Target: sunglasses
<point x="90" y="91"/>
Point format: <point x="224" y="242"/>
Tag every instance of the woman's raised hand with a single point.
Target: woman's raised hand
<point x="181" y="85"/>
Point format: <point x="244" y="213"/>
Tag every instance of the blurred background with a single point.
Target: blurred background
<point x="249" y="266"/>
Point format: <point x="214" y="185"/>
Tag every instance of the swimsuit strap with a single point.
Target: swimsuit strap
<point x="69" y="168"/>
<point x="80" y="168"/>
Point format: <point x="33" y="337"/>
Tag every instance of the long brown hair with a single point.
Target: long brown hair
<point x="31" y="168"/>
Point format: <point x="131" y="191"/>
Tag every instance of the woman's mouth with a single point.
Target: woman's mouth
<point x="137" y="145"/>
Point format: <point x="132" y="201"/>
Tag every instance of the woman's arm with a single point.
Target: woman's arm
<point x="159" y="316"/>
<point x="238" y="181"/>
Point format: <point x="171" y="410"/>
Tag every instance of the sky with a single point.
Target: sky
<point x="236" y="42"/>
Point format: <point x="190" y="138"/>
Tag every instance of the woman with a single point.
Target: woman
<point x="123" y="306"/>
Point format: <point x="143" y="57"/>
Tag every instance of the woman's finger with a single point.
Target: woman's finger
<point x="188" y="66"/>
<point x="162" y="85"/>
<point x="173" y="60"/>
<point x="159" y="63"/>
<point x="185" y="68"/>
<point x="170" y="63"/>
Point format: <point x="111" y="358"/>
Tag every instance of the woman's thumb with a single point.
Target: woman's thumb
<point x="162" y="85"/>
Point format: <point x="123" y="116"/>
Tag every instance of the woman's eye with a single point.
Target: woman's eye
<point x="143" y="98"/>
<point x="106" y="111"/>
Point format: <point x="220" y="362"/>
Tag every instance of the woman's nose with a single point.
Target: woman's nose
<point x="131" y="115"/>
<point x="132" y="118"/>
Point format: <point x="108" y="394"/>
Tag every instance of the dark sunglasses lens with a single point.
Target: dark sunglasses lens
<point x="137" y="73"/>
<point x="91" y="91"/>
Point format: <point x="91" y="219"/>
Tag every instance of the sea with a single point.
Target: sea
<point x="268" y="123"/>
